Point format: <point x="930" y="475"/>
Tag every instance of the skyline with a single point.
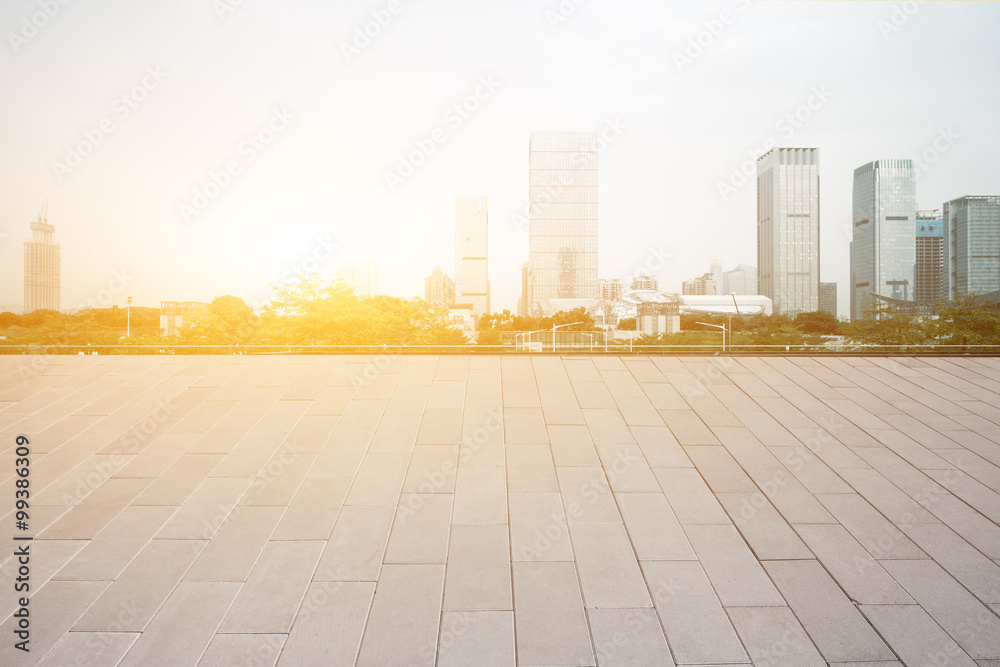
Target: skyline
<point x="678" y="131"/>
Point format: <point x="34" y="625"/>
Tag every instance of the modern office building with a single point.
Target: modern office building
<point x="175" y="314"/>
<point x="645" y="281"/>
<point x="41" y="266"/>
<point x="971" y="245"/>
<point x="702" y="285"/>
<point x="562" y="211"/>
<point x="363" y="275"/>
<point x="522" y="302"/>
<point x="472" y="282"/>
<point x="740" y="280"/>
<point x="788" y="229"/>
<point x="883" y="245"/>
<point x="715" y="268"/>
<point x="439" y="288"/>
<point x="928" y="279"/>
<point x="828" y="298"/>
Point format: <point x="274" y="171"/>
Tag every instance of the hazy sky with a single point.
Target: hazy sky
<point x="118" y="112"/>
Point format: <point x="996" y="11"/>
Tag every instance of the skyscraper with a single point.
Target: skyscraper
<point x="971" y="245"/>
<point x="472" y="284"/>
<point x="883" y="245"/>
<point x="828" y="298"/>
<point x="562" y="211"/>
<point x="788" y="229"/>
<point x="715" y="268"/>
<point x="611" y="289"/>
<point x="364" y="275"/>
<point x="439" y="288"/>
<point x="740" y="280"/>
<point x="41" y="266"/>
<point x="929" y="272"/>
<point x="522" y="302"/>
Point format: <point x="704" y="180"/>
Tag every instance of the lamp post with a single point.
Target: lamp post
<point x="717" y="326"/>
<point x="559" y="326"/>
<point x="128" y="318"/>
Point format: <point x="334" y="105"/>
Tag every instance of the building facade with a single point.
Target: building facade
<point x="971" y="245"/>
<point x="788" y="229"/>
<point x="175" y="314"/>
<point x="828" y="298"/>
<point x="645" y="281"/>
<point x="928" y="279"/>
<point x="472" y="282"/>
<point x="740" y="280"/>
<point x="702" y="285"/>
<point x="522" y="302"/>
<point x="42" y="260"/>
<point x="365" y="276"/>
<point x="439" y="288"/>
<point x="883" y="245"/>
<point x="562" y="211"/>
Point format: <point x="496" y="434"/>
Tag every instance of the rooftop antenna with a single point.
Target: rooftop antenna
<point x="43" y="215"/>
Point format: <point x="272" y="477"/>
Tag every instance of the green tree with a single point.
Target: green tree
<point x="968" y="320"/>
<point x="227" y="320"/>
<point x="817" y="322"/>
<point x="882" y="325"/>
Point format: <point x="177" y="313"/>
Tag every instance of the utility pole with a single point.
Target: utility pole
<point x="128" y="318"/>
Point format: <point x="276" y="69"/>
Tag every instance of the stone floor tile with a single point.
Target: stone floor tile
<point x="476" y="638"/>
<point x="628" y="637"/>
<point x="732" y="568"/>
<point x="432" y="469"/>
<point x="403" y="624"/>
<point x="420" y="529"/>
<point x="231" y="554"/>
<point x="357" y="544"/>
<point x="239" y="650"/>
<point x="329" y="625"/>
<point x="609" y="573"/>
<point x="689" y="496"/>
<point x="586" y="495"/>
<point x="773" y="636"/>
<point x="480" y="496"/>
<point x="538" y="530"/>
<point x="835" y="625"/>
<point x="765" y="531"/>
<point x="549" y="619"/>
<point x="652" y="527"/>
<point x="478" y="573"/>
<point x="93" y="648"/>
<point x="314" y="509"/>
<point x="55" y="609"/>
<point x="915" y="637"/>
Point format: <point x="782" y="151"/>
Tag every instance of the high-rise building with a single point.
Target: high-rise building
<point x="562" y="211"/>
<point x="611" y="289"/>
<point x="715" y="268"/>
<point x="41" y="266"/>
<point x="971" y="245"/>
<point x="363" y="275"/>
<point x="828" y="298"/>
<point x="740" y="280"/>
<point x="522" y="303"/>
<point x="883" y="245"/>
<point x="439" y="288"/>
<point x="645" y="281"/>
<point x="928" y="276"/>
<point x="788" y="229"/>
<point x="702" y="285"/>
<point x="472" y="283"/>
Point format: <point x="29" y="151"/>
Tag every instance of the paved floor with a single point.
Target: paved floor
<point x="505" y="510"/>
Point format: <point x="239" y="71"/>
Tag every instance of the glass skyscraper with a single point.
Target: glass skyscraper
<point x="972" y="245"/>
<point x="883" y="242"/>
<point x="788" y="229"/>
<point x="562" y="197"/>
<point x="472" y="283"/>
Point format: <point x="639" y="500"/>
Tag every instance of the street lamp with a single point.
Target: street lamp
<point x="559" y="326"/>
<point x="717" y="326"/>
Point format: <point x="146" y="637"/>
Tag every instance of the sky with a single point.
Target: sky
<point x="198" y="148"/>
